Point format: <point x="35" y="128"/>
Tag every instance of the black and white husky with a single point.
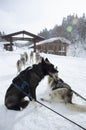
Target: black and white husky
<point x="25" y="84"/>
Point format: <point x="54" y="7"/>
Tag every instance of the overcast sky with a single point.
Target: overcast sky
<point x="35" y="15"/>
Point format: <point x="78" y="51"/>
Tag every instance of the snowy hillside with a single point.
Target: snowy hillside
<point x="77" y="50"/>
<point x="35" y="117"/>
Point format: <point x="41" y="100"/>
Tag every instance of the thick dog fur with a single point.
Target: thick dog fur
<point x="26" y="56"/>
<point x="61" y="92"/>
<point x="22" y="61"/>
<point x="14" y="98"/>
<point x="38" y="57"/>
<point x="19" y="65"/>
<point x="31" y="57"/>
<point x="35" y="57"/>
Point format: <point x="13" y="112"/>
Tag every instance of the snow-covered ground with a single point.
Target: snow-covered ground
<point x="77" y="49"/>
<point x="71" y="69"/>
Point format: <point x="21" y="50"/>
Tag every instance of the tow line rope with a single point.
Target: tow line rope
<point x="78" y="95"/>
<point x="50" y="108"/>
<point x="61" y="115"/>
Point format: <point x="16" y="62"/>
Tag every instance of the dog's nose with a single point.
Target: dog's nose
<point x="56" y="77"/>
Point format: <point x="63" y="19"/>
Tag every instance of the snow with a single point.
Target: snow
<point x="77" y="49"/>
<point x="36" y="117"/>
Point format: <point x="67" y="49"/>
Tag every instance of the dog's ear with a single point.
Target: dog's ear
<point x="56" y="68"/>
<point x="46" y="60"/>
<point x="42" y="60"/>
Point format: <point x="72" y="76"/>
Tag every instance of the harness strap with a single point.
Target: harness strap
<point x="23" y="86"/>
<point x="55" y="88"/>
<point x="60" y="81"/>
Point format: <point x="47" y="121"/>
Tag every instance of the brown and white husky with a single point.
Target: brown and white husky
<point x="62" y="92"/>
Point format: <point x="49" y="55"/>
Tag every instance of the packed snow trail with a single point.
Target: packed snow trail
<point x="71" y="69"/>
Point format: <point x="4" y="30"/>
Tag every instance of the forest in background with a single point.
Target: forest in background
<point x="73" y="28"/>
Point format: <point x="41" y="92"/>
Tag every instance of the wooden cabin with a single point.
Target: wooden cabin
<point x="57" y="45"/>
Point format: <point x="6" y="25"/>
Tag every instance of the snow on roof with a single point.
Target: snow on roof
<point x="62" y="39"/>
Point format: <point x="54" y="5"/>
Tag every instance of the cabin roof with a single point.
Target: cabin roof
<point x="54" y="39"/>
<point x="62" y="39"/>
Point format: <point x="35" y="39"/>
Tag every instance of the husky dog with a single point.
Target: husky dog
<point x="38" y="57"/>
<point x="61" y="91"/>
<point x="26" y="56"/>
<point x="35" y="57"/>
<point x="31" y="56"/>
<point x="19" y="65"/>
<point x="29" y="80"/>
<point x="22" y="61"/>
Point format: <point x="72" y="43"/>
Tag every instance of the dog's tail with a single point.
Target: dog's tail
<point x="77" y="107"/>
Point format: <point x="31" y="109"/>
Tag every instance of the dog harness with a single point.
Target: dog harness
<point x="22" y="88"/>
<point x="59" y="84"/>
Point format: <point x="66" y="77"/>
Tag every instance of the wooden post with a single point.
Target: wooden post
<point x="34" y="45"/>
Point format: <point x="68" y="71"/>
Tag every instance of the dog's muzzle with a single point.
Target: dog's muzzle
<point x="54" y="76"/>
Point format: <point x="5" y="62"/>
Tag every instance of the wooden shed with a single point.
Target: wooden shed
<point x="14" y="36"/>
<point x="57" y="45"/>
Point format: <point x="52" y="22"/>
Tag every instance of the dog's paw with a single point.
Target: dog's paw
<point x="46" y="100"/>
<point x="42" y="99"/>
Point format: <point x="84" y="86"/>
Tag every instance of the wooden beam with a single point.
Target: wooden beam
<point x="33" y="35"/>
<point x="23" y="32"/>
<point x="22" y="38"/>
<point x="12" y="34"/>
